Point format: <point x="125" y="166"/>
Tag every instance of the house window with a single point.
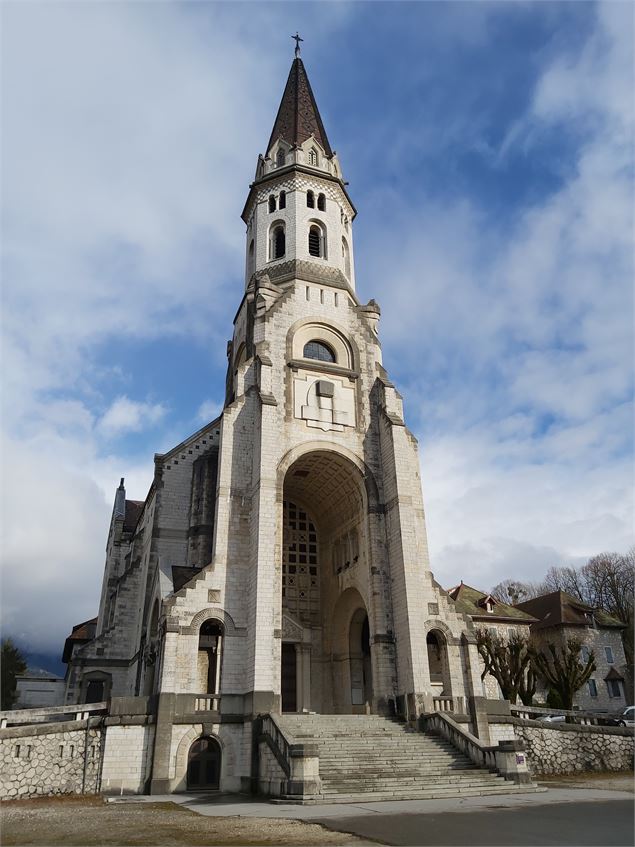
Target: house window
<point x="318" y="350"/>
<point x="585" y="654"/>
<point x="277" y="242"/>
<point x="317" y="242"/>
<point x="609" y="655"/>
<point x="272" y="204"/>
<point x="280" y="157"/>
<point x="282" y="200"/>
<point x="313" y="156"/>
<point x="593" y="689"/>
<point x="310" y="199"/>
<point x="613" y="686"/>
<point x="321" y="203"/>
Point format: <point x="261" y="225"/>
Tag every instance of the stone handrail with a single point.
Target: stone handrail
<point x="276" y="740"/>
<point x="300" y="763"/>
<point x="506" y="758"/>
<point x="529" y="713"/>
<point x="81" y="711"/>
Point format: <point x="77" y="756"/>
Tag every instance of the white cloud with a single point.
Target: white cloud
<point x="208" y="410"/>
<point x="125" y="415"/>
<point x="518" y="350"/>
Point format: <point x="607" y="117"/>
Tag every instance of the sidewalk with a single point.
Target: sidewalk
<point x="588" y="788"/>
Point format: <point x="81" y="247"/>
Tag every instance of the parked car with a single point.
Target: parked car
<point x="552" y="718"/>
<point x="627" y="718"/>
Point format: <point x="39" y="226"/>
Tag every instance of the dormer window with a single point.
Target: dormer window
<point x="313" y="157"/>
<point x="310" y="199"/>
<point x="272" y="204"/>
<point x="321" y="203"/>
<point x="280" y="157"/>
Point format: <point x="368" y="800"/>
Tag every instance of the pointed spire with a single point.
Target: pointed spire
<point x="298" y="117"/>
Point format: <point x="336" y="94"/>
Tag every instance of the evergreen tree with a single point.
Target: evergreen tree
<point x="13" y="664"/>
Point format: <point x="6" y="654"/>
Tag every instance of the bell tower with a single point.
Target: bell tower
<point x="298" y="209"/>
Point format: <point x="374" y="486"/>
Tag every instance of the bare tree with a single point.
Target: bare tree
<point x="606" y="582"/>
<point x="508" y="661"/>
<point x="512" y="591"/>
<point x="562" y="668"/>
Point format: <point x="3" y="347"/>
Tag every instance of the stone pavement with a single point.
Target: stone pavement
<point x="236" y="804"/>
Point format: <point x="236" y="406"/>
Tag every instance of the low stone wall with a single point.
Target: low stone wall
<point x="60" y="758"/>
<point x="570" y="748"/>
<point x="127" y="757"/>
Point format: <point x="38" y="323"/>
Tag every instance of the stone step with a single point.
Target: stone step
<point x="408" y="783"/>
<point x="329" y="772"/>
<point x="433" y="794"/>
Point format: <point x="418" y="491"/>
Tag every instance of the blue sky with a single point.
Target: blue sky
<point x="488" y="147"/>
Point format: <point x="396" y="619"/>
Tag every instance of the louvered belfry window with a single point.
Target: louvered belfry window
<point x="279" y="243"/>
<point x="315" y="241"/>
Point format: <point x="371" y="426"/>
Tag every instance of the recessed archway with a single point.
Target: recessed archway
<point x="324" y="554"/>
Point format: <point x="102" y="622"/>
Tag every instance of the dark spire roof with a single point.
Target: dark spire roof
<point x="298" y="117"/>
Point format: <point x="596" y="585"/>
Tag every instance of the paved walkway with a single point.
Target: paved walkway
<point x="236" y="804"/>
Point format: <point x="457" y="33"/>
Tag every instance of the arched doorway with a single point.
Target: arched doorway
<point x="359" y="661"/>
<point x="203" y="765"/>
<point x="324" y="547"/>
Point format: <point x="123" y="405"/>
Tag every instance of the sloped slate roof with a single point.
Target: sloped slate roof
<point x="133" y="513"/>
<point x="298" y="117"/>
<point x="561" y="609"/>
<point x="82" y="632"/>
<point x="468" y="600"/>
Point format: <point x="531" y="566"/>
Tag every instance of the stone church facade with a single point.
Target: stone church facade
<point x="279" y="563"/>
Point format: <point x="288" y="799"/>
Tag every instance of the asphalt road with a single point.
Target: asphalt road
<point x="578" y="824"/>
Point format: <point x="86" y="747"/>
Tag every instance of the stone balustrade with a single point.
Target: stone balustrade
<point x="506" y="758"/>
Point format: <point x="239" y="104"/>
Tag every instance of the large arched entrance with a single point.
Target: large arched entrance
<point x="203" y="765"/>
<point x="325" y="554"/>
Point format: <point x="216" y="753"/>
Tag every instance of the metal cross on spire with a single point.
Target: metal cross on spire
<point x="297" y="44"/>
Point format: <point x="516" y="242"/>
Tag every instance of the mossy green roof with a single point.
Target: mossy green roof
<point x="468" y="600"/>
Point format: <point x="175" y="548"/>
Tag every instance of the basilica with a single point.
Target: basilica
<point x="278" y="567"/>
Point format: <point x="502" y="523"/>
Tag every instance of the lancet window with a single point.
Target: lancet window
<point x="300" y="575"/>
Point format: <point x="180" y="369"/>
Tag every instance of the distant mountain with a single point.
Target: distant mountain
<point x="47" y="662"/>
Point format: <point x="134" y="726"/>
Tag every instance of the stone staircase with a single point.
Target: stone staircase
<point x="367" y="758"/>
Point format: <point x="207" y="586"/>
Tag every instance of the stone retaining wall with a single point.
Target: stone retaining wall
<point x="60" y="758"/>
<point x="570" y="748"/>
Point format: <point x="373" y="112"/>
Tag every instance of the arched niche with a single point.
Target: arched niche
<point x="333" y="337"/>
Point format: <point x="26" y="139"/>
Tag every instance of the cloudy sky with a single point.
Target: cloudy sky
<point x="489" y="152"/>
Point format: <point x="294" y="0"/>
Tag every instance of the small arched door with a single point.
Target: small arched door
<point x="203" y="765"/>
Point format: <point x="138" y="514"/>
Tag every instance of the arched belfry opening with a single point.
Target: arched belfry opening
<point x="325" y="555"/>
<point x="438" y="664"/>
<point x="210" y="642"/>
